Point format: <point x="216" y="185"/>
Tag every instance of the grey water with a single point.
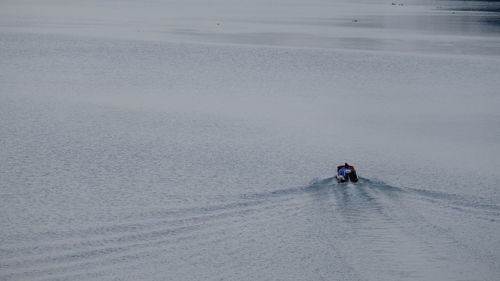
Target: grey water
<point x="186" y="140"/>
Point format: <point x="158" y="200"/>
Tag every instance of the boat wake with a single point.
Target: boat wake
<point x="364" y="229"/>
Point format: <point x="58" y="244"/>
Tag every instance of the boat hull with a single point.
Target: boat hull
<point x="351" y="177"/>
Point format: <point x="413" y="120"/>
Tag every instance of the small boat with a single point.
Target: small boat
<point x="346" y="173"/>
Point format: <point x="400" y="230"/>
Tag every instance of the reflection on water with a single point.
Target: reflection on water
<point x="474" y="5"/>
<point x="449" y="27"/>
<point x="482" y="16"/>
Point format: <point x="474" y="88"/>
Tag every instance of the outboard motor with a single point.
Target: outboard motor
<point x="351" y="174"/>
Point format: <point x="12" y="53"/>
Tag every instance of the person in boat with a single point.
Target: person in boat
<point x="346" y="172"/>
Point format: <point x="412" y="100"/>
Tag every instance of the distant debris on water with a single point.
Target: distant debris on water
<point x="354" y="20"/>
<point x="397" y="4"/>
